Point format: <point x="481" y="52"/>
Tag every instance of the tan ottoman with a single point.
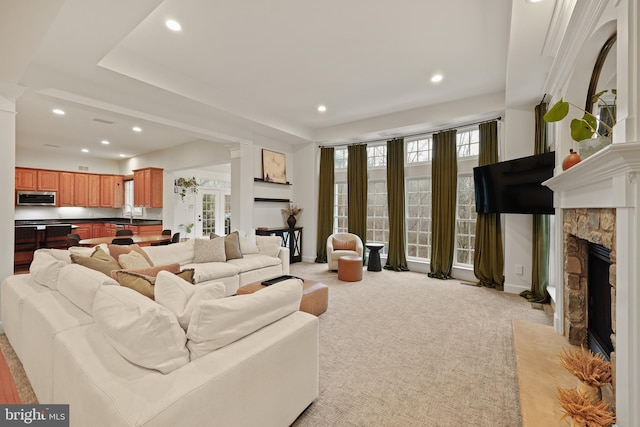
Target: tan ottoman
<point x="350" y="268"/>
<point x="315" y="295"/>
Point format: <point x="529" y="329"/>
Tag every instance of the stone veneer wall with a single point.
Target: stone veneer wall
<point x="581" y="226"/>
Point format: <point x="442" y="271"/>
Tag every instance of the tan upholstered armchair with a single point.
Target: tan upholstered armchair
<point x="342" y="244"/>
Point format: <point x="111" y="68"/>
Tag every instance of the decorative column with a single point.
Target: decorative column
<point x="242" y="187"/>
<point x="7" y="176"/>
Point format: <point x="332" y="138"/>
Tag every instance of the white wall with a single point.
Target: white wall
<point x="7" y="175"/>
<point x="518" y="141"/>
<point x="305" y="190"/>
<point x="51" y="158"/>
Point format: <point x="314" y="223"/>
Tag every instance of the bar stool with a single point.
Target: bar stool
<point x="350" y="268"/>
<point x="55" y="236"/>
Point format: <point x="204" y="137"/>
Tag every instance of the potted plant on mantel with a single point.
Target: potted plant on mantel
<point x="584" y="129"/>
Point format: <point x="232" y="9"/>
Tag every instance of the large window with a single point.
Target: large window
<point x="468" y="143"/>
<point x="377" y="156"/>
<point x="377" y="214"/>
<point x="418" y="217"/>
<point x="419" y="150"/>
<point x="465" y="222"/>
<point x="340" y="211"/>
<point x="341" y="158"/>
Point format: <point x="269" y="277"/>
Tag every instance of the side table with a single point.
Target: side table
<point x="374" y="256"/>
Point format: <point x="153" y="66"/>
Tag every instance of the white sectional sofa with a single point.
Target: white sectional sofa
<point x="119" y="358"/>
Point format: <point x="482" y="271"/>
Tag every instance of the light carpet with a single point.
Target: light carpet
<point x="402" y="349"/>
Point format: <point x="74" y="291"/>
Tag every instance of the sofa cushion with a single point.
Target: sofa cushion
<point x="269" y="245"/>
<point x="219" y="322"/>
<point x="182" y="253"/>
<point x="180" y="296"/>
<point x="99" y="261"/>
<point x="133" y="260"/>
<point x="117" y="250"/>
<point x="255" y="262"/>
<point x="248" y="243"/>
<point x="79" y="285"/>
<point x="209" y="250"/>
<point x="142" y="331"/>
<point x="232" y="246"/>
<point x="87" y="251"/>
<point x="45" y="268"/>
<point x="213" y="271"/>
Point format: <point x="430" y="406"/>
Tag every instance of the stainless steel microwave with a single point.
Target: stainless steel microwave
<point x="36" y="198"/>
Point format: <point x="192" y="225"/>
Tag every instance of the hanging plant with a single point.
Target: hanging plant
<point x="182" y="185"/>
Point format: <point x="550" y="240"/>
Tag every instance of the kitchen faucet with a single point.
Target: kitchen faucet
<point x="124" y="210"/>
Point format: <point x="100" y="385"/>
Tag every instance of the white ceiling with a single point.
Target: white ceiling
<point x="246" y="68"/>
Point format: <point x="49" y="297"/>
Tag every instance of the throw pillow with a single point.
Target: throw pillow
<point x="209" y="250"/>
<point x="143" y="332"/>
<point x="218" y="322"/>
<point x="344" y="244"/>
<point x="45" y="268"/>
<point x="232" y="246"/>
<point x="117" y="250"/>
<point x="180" y="297"/>
<point x="138" y="282"/>
<point x="269" y="245"/>
<point x="99" y="261"/>
<point x="133" y="260"/>
<point x="187" y="275"/>
<point x="150" y="271"/>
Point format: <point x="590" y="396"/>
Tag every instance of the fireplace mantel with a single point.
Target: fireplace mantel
<point x="604" y="180"/>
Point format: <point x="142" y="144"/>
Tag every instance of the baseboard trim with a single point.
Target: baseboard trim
<point x="514" y="289"/>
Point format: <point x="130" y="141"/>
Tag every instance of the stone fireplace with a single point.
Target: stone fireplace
<point x="599" y="202"/>
<point x="584" y="228"/>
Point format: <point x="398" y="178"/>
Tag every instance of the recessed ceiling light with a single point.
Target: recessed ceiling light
<point x="105" y="142"/>
<point x="58" y="111"/>
<point x="173" y="25"/>
<point x="436" y="78"/>
<point x="322" y="108"/>
<point x="137" y="129"/>
<point x="123" y="155"/>
<point x="534" y="1"/>
<point x="84" y="150"/>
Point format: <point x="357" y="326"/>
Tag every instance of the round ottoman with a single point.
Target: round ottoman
<point x="350" y="268"/>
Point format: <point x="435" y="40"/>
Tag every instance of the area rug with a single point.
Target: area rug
<point x="18" y="390"/>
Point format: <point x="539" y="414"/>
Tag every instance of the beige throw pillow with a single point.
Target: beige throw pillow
<point x="232" y="246"/>
<point x="117" y="250"/>
<point x="209" y="250"/>
<point x="99" y="261"/>
<point x="133" y="260"/>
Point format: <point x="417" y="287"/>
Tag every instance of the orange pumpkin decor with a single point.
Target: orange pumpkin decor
<point x="570" y="160"/>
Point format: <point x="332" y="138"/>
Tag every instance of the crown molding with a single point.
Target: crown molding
<point x="583" y="21"/>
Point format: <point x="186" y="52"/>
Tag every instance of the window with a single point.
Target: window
<point x="419" y="150"/>
<point x="377" y="214"/>
<point x="340" y="210"/>
<point x="341" y="158"/>
<point x="377" y="156"/>
<point x="465" y="222"/>
<point x="128" y="209"/>
<point x="227" y="213"/>
<point x="468" y="143"/>
<point x="418" y="217"/>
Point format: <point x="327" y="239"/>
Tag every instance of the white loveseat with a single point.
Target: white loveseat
<point x="102" y="348"/>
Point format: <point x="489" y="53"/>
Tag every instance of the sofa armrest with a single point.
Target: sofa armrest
<point x="283" y="254"/>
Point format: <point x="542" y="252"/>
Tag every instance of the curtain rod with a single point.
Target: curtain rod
<point x="463" y="125"/>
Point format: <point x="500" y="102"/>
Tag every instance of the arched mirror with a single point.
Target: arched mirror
<point x="603" y="78"/>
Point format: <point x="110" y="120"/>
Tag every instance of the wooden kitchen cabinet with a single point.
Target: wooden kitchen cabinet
<point x="48" y="180"/>
<point x="98" y="230"/>
<point x="145" y="230"/>
<point x="106" y="191"/>
<point x="118" y="197"/>
<point x="26" y="179"/>
<point x="147" y="187"/>
<point x="85" y="231"/>
<point x="81" y="190"/>
<point x="93" y="195"/>
<point x="66" y="192"/>
<point x="110" y="230"/>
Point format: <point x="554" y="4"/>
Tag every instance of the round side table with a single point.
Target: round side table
<point x="374" y="256"/>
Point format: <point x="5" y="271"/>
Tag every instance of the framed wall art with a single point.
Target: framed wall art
<point x="273" y="167"/>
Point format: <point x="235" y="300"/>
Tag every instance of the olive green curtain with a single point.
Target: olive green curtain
<point x="357" y="190"/>
<point x="444" y="184"/>
<point x="488" y="257"/>
<point x="540" y="237"/>
<point x="396" y="258"/>
<point x="325" y="202"/>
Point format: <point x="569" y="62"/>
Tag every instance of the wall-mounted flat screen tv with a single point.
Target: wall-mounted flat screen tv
<point x="515" y="186"/>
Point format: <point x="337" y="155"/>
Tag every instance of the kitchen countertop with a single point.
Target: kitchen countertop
<point x="119" y="221"/>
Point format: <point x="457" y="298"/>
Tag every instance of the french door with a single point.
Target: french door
<point x="212" y="212"/>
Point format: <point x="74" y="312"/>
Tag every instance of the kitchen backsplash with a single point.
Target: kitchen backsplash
<point x="32" y="212"/>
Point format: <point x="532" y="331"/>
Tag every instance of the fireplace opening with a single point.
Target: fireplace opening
<point x="599" y="302"/>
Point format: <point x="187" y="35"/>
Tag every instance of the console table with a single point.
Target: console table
<point x="291" y="238"/>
